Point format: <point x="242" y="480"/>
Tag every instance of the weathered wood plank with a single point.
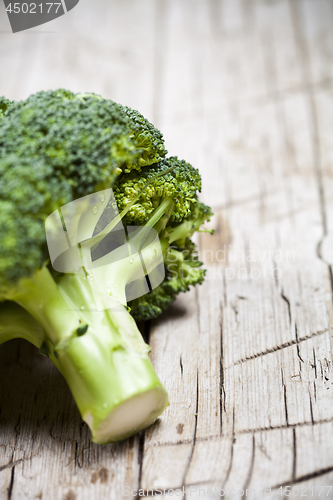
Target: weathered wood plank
<point x="272" y="325"/>
<point x="243" y="90"/>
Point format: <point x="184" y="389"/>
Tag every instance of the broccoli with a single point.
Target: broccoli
<point x="58" y="149"/>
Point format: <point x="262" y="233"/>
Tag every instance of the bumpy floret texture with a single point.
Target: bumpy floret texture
<point x="22" y="248"/>
<point x="27" y="196"/>
<point x="33" y="191"/>
<point x="83" y="138"/>
<point x="181" y="185"/>
<point x="147" y="138"/>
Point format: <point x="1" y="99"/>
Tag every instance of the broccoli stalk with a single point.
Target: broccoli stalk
<point x="90" y="346"/>
<point x="102" y="355"/>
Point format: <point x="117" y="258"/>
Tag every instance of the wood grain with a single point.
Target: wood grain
<point x="243" y="90"/>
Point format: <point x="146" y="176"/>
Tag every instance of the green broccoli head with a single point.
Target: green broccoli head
<point x="23" y="248"/>
<point x="27" y="196"/>
<point x="56" y="147"/>
<point x="84" y="139"/>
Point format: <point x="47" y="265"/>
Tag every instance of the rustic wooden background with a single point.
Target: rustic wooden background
<point x="244" y="90"/>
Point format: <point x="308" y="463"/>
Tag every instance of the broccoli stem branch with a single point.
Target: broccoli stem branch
<point x="161" y="224"/>
<point x="165" y="207"/>
<point x="115" y="269"/>
<point x="16" y="323"/>
<point x="40" y="296"/>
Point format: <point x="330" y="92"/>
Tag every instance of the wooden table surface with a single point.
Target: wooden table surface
<point x="243" y="89"/>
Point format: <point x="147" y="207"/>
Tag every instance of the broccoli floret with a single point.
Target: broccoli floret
<point x="57" y="147"/>
<point x="147" y="138"/>
<point x="178" y="188"/>
<point x="200" y="214"/>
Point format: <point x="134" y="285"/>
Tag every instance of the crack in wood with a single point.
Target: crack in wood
<point x="289" y="426"/>
<point x="221" y="384"/>
<point x="12" y="464"/>
<point x="11" y="484"/>
<point x="234" y="308"/>
<point x="280" y="347"/>
<point x="293" y="472"/>
<point x="76" y="452"/>
<point x="314" y="366"/>
<point x="285" y="398"/>
<point x="330" y="270"/>
<point x="141" y="447"/>
<point x="301" y="479"/>
<point x="231" y="449"/>
<point x="297" y="348"/>
<point x="315" y="390"/>
<point x="311" y="408"/>
<point x="287" y="301"/>
<point x="246" y="431"/>
<point x="249" y="476"/>
<point x="306" y="477"/>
